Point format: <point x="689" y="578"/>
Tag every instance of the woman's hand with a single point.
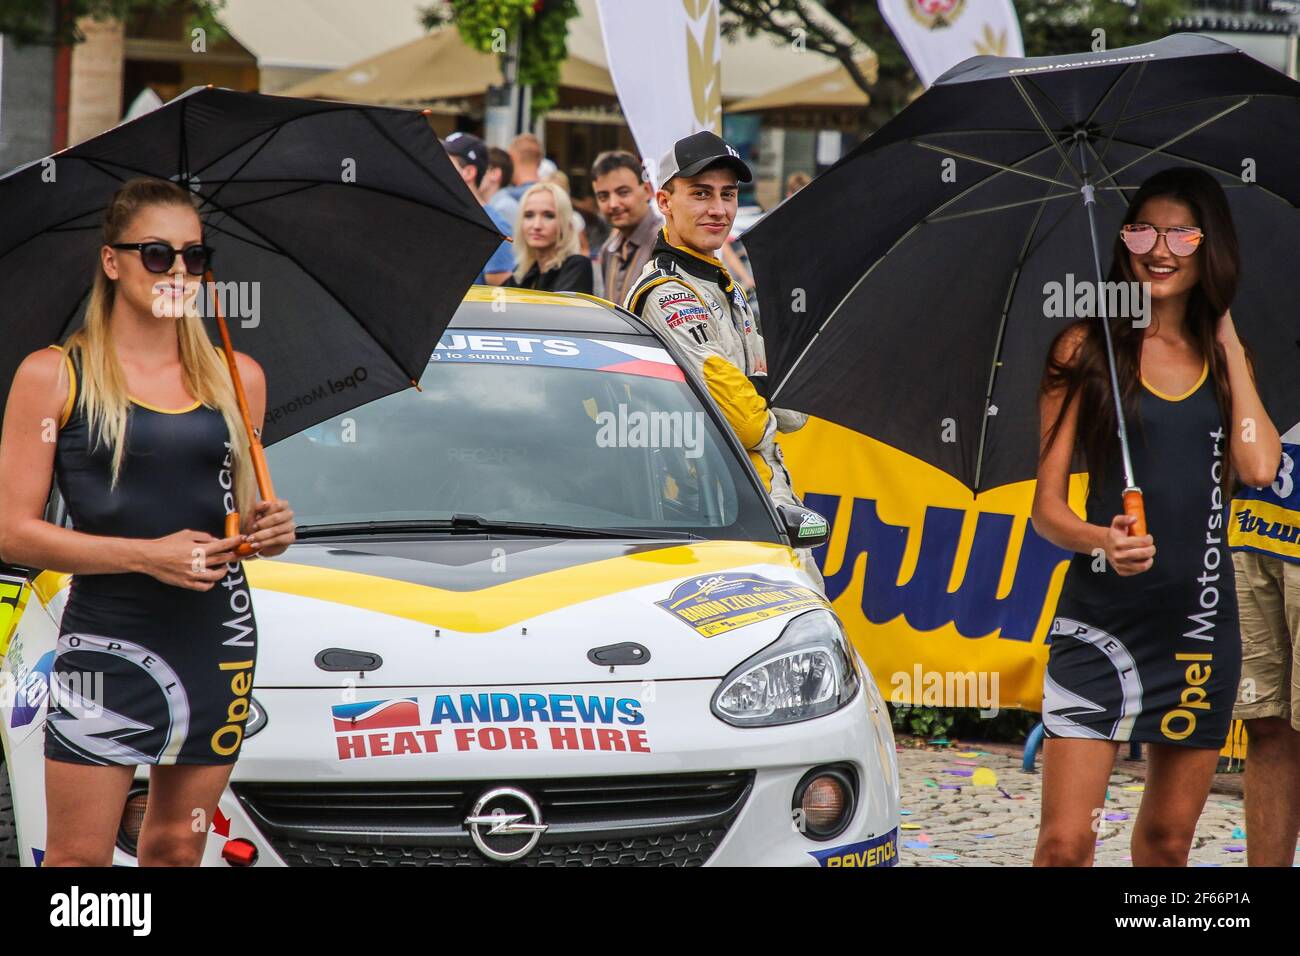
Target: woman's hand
<point x="1128" y="554"/>
<point x="189" y="559"/>
<point x="272" y="529"/>
<point x="1226" y="333"/>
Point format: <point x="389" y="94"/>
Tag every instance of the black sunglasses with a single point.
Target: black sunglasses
<point x="159" y="256"/>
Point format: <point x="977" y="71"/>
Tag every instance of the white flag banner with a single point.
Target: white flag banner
<point x="938" y="34"/>
<point x="665" y="57"/>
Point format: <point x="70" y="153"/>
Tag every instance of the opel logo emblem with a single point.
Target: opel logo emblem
<point x="505" y="824"/>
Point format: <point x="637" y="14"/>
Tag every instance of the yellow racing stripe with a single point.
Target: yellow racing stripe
<point x="492" y="608"/>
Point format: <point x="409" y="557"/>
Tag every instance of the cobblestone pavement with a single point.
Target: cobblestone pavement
<point x="952" y="817"/>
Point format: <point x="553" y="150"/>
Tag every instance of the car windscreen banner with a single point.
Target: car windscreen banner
<point x="950" y="598"/>
<point x="495" y="347"/>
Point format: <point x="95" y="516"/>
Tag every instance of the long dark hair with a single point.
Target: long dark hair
<point x="1088" y="375"/>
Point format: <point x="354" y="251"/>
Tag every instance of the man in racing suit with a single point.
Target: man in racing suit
<point x="689" y="296"/>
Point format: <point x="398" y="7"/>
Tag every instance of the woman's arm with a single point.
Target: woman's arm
<point x="1053" y="517"/>
<point x="27" y="443"/>
<point x="270" y="526"/>
<point x="186" y="558"/>
<point x="1254" y="444"/>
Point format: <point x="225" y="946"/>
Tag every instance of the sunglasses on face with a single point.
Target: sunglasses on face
<point x="1140" y="238"/>
<point x="159" y="256"/>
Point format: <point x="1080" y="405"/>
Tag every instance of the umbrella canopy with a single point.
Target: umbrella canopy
<point x="344" y="238"/>
<point x="917" y="312"/>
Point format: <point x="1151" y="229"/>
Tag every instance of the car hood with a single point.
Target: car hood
<point x="445" y="612"/>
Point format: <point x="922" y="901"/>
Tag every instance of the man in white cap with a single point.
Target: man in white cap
<point x="687" y="294"/>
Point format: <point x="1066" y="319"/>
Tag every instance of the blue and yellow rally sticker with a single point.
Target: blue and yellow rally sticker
<point x="723" y="602"/>
<point x="878" y="851"/>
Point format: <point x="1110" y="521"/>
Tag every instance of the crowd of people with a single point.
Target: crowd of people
<point x="552" y="246"/>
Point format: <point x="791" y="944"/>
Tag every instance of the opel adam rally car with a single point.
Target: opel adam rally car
<point x="539" y="612"/>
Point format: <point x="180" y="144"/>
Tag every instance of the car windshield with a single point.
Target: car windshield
<point x="594" y="433"/>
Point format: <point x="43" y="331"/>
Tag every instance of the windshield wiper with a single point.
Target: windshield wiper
<point x="477" y="524"/>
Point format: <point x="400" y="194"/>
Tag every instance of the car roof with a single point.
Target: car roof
<point x="541" y="312"/>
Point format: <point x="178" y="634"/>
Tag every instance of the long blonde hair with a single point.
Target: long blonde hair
<point x="103" y="396"/>
<point x="566" y="240"/>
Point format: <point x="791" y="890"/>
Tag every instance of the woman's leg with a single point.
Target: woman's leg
<point x="83" y="809"/>
<point x="182" y="801"/>
<point x="1178" y="781"/>
<point x="1075" y="773"/>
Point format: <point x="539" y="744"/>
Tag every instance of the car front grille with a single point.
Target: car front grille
<point x="659" y="820"/>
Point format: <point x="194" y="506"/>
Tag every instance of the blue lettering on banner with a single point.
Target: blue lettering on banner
<point x="974" y="609"/>
<point x="507" y="708"/>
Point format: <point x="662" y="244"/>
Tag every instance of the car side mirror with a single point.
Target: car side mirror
<point x="805" y="527"/>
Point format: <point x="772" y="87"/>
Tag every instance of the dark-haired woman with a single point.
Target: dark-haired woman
<point x="1145" y="646"/>
<point x="158" y="642"/>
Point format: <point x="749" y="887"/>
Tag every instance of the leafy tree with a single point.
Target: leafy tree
<point x="54" y="22"/>
<point x="488" y="26"/>
<point x="1049" y="27"/>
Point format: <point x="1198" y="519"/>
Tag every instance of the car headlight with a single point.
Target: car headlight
<point x="807" y="672"/>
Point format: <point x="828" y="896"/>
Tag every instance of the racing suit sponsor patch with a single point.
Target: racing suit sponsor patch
<point x="723" y="602"/>
<point x="687" y="314"/>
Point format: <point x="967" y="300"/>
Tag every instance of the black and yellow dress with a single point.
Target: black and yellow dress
<point x="1154" y="657"/>
<point x="148" y="672"/>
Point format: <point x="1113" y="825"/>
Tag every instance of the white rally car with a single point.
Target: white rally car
<point x="539" y="612"/>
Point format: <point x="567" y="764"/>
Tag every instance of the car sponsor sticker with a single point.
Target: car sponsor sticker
<point x="879" y="851"/>
<point x="811" y="525"/>
<point x="518" y="348"/>
<point x="26" y="687"/>
<point x="489" y="721"/>
<point x="723" y="602"/>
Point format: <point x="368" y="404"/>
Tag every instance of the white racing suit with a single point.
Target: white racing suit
<point x="692" y="300"/>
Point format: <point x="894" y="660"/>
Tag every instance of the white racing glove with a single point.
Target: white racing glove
<point x="788" y="420"/>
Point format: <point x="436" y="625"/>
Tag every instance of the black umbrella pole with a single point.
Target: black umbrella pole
<point x="1133" y="504"/>
<point x="258" y="456"/>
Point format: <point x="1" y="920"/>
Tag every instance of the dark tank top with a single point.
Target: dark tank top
<point x="174" y="476"/>
<point x="1179" y="449"/>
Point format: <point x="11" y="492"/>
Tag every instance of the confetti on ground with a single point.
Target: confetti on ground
<point x="986" y="836"/>
<point x="960" y="773"/>
<point x="966" y="763"/>
<point x="965" y="753"/>
<point x="911" y="826"/>
<point x="1238" y="834"/>
<point x="904" y="813"/>
<point x="1117" y="816"/>
<point x="1234" y="849"/>
<point x="1136" y="787"/>
<point x="943" y="856"/>
<point x="930" y="783"/>
<point x="915" y="845"/>
<point x="950" y="786"/>
<point x="984" y="777"/>
<point x="940" y="741"/>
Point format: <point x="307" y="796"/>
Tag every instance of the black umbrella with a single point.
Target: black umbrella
<point x="902" y="292"/>
<point x="348" y="223"/>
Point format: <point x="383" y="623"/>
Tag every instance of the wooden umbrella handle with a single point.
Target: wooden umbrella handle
<point x="257" y="454"/>
<point x="1135" y="508"/>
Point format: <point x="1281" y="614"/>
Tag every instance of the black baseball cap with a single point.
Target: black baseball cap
<point x="469" y="148"/>
<point x="695" y="153"/>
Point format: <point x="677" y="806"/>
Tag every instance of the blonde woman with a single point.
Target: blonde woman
<point x="135" y="417"/>
<point x="547" y="254"/>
